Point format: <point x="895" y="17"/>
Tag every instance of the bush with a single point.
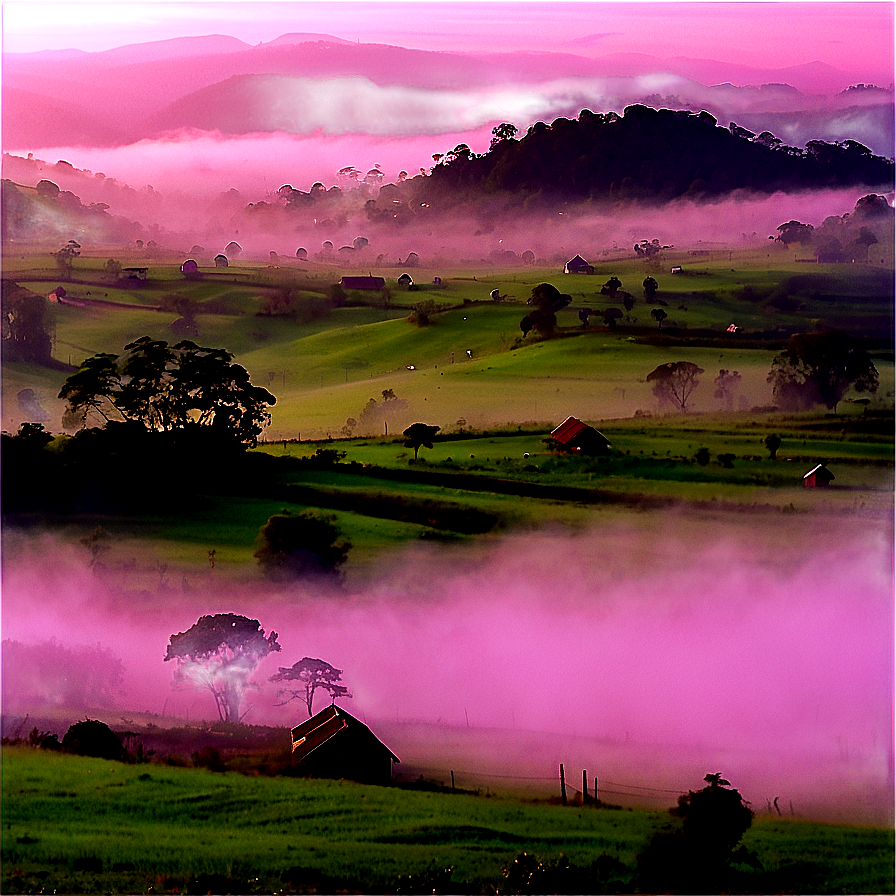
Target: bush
<point x="93" y="738"/>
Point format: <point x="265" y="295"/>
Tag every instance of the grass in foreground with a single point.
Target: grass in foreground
<point x="88" y="825"/>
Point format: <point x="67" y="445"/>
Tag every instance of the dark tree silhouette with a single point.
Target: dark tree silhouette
<point x="26" y="325"/>
<point x="650" y="287"/>
<point x="419" y="435"/>
<point x="820" y="368"/>
<point x="546" y="300"/>
<point x="611" y="287"/>
<point x="168" y="388"/>
<point x="674" y="382"/>
<point x="300" y="545"/>
<point x="659" y="316"/>
<point x="93" y="738"/>
<point x="611" y="316"/>
<point x="314" y="675"/>
<point x="794" y="232"/>
<point x="772" y="444"/>
<point x="219" y="654"/>
<point x="697" y="855"/>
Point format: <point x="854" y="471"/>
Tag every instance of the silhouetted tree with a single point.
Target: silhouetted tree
<point x="674" y="382"/>
<point x="314" y="675"/>
<point x="611" y="287"/>
<point x="65" y="257"/>
<point x="219" y="654"/>
<point x="419" y="435"/>
<point x="167" y="388"/>
<point x="502" y="132"/>
<point x="650" y="287"/>
<point x="300" y="545"/>
<point x="546" y="300"/>
<point x="611" y="315"/>
<point x="374" y="412"/>
<point x="93" y="738"/>
<point x="697" y="855"/>
<point x="794" y="232"/>
<point x="772" y="443"/>
<point x="659" y="316"/>
<point x="26" y="325"/>
<point x="820" y="368"/>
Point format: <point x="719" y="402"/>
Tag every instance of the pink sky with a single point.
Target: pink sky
<point x="848" y="35"/>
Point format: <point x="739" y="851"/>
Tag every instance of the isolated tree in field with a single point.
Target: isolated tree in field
<point x="726" y="386"/>
<point x="611" y="287"/>
<point x="772" y="444"/>
<point x="674" y="382"/>
<point x="26" y="325"/>
<point x="300" y="545"/>
<point x="659" y="316"/>
<point x="546" y="300"/>
<point x="650" y="287"/>
<point x="382" y="412"/>
<point x="219" y="654"/>
<point x="611" y="316"/>
<point x="313" y="675"/>
<point x="113" y="268"/>
<point x="820" y="368"/>
<point x="169" y="388"/>
<point x="419" y="435"/>
<point x="65" y="257"/>
<point x="628" y="301"/>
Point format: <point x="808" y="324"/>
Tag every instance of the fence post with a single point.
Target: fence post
<point x="452" y="780"/>
<point x="584" y="786"/>
<point x="562" y="784"/>
<point x="596" y="800"/>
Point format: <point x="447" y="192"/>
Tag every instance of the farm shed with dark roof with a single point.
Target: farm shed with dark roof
<point x="334" y="744"/>
<point x="577" y="436"/>
<point x="362" y="283"/>
<point x="578" y="265"/>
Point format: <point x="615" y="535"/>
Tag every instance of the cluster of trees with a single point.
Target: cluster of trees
<point x="646" y="154"/>
<point x="813" y="369"/>
<point x="221" y="652"/>
<point x="169" y="388"/>
<point x="49" y="673"/>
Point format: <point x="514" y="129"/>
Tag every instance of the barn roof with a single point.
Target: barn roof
<point x="819" y="470"/>
<point x="319" y="729"/>
<point x="569" y="429"/>
<point x="577" y="260"/>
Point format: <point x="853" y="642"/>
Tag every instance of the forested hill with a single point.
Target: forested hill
<point x="646" y="154"/>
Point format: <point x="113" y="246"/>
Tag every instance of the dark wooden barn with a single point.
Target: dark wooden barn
<point x="578" y="265"/>
<point x="334" y="744"/>
<point x="818" y="477"/>
<point x="574" y="435"/>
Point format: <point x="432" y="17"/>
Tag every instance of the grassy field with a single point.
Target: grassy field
<point x="77" y="824"/>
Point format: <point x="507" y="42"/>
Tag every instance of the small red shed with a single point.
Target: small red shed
<point x="818" y="477"/>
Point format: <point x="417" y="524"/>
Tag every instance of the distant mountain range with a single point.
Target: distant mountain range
<point x="304" y="83"/>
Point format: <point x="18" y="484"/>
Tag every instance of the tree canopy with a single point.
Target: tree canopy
<point x="314" y="675"/>
<point x="167" y="388"/>
<point x="219" y="654"/>
<point x="820" y="368"/>
<point x="674" y="382"/>
<point x="300" y="545"/>
<point x="546" y="300"/>
<point x="419" y="435"/>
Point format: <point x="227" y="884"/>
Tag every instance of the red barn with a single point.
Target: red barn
<point x="576" y="436"/>
<point x="818" y="477"/>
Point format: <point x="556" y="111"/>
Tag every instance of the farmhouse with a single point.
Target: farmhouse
<point x="334" y="744"/>
<point x="578" y="265"/>
<point x="818" y="477"/>
<point x="375" y="283"/>
<point x="577" y="436"/>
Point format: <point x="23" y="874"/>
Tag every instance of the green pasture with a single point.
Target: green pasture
<point x="77" y="824"/>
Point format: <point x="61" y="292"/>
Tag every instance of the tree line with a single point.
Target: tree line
<point x="648" y="155"/>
